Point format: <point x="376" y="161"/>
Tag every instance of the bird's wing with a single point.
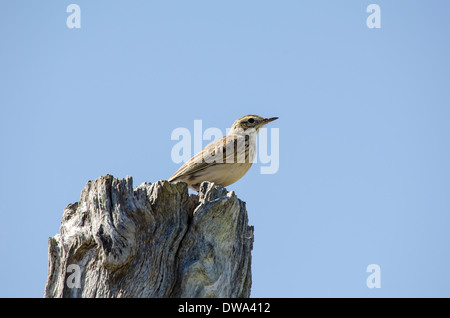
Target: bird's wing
<point x="210" y="156"/>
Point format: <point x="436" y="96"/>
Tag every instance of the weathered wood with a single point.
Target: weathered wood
<point x="152" y="241"/>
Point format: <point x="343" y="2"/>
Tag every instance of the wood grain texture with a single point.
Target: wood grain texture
<point x="155" y="240"/>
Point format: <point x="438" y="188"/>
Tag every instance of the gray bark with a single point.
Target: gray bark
<point x="152" y="241"/>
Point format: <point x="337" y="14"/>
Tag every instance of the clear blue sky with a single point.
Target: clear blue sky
<point x="364" y="128"/>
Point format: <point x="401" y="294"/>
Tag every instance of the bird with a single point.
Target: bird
<point x="225" y="160"/>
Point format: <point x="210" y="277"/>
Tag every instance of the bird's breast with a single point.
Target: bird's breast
<point x="224" y="174"/>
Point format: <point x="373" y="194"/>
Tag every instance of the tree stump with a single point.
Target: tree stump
<point x="152" y="241"/>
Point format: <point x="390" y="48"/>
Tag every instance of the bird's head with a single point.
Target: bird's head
<point x="252" y="122"/>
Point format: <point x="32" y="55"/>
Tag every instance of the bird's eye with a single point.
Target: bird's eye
<point x="251" y="121"/>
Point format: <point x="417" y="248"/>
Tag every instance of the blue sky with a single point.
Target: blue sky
<point x="364" y="173"/>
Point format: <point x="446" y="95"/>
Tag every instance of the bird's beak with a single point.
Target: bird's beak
<point x="268" y="120"/>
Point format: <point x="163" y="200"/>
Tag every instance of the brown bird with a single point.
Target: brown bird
<point x="225" y="160"/>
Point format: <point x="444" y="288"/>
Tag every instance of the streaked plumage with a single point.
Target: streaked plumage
<point x="225" y="160"/>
